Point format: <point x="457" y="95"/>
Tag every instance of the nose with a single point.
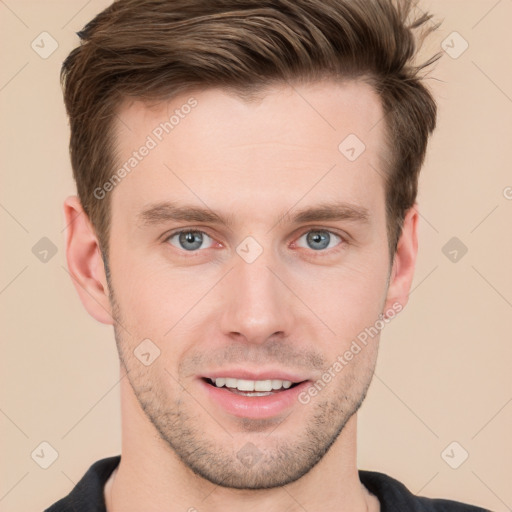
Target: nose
<point x="258" y="304"/>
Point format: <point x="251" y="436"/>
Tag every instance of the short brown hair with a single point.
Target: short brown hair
<point x="155" y="49"/>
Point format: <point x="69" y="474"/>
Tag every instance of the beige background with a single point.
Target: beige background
<point x="444" y="368"/>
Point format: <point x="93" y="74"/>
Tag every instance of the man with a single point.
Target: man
<point x="246" y="174"/>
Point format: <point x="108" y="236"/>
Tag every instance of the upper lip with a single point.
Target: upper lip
<point x="244" y="374"/>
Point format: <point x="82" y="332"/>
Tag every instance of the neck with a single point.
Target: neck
<point x="151" y="477"/>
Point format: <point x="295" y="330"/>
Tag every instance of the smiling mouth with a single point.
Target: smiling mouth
<point x="252" y="388"/>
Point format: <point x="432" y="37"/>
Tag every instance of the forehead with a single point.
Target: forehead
<point x="212" y="145"/>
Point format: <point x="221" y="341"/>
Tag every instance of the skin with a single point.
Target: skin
<point x="294" y="308"/>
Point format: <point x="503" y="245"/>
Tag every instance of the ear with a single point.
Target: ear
<point x="85" y="262"/>
<point x="404" y="262"/>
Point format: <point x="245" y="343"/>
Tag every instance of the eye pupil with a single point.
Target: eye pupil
<point x="195" y="238"/>
<point x="318" y="237"/>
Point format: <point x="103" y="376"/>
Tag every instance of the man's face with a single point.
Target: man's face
<point x="263" y="298"/>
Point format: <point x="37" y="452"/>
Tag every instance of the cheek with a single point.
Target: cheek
<point x="144" y="300"/>
<point x="348" y="299"/>
<point x="161" y="303"/>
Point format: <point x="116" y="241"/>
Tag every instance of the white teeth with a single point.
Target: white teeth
<point x="245" y="385"/>
<point x="276" y="384"/>
<point x="252" y="385"/>
<point x="263" y="385"/>
<point x="231" y="383"/>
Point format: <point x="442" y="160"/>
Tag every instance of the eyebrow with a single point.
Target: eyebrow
<point x="162" y="212"/>
<point x="332" y="211"/>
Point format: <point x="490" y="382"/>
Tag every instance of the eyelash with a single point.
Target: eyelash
<point x="333" y="250"/>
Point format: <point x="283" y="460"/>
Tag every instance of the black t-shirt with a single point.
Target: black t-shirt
<point x="87" y="495"/>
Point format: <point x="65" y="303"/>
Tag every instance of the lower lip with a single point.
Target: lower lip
<point x="256" y="407"/>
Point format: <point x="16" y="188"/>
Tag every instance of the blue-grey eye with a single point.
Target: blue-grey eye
<point x="320" y="239"/>
<point x="189" y="240"/>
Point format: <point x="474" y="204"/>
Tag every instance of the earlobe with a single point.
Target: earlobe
<point x="85" y="262"/>
<point x="402" y="272"/>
